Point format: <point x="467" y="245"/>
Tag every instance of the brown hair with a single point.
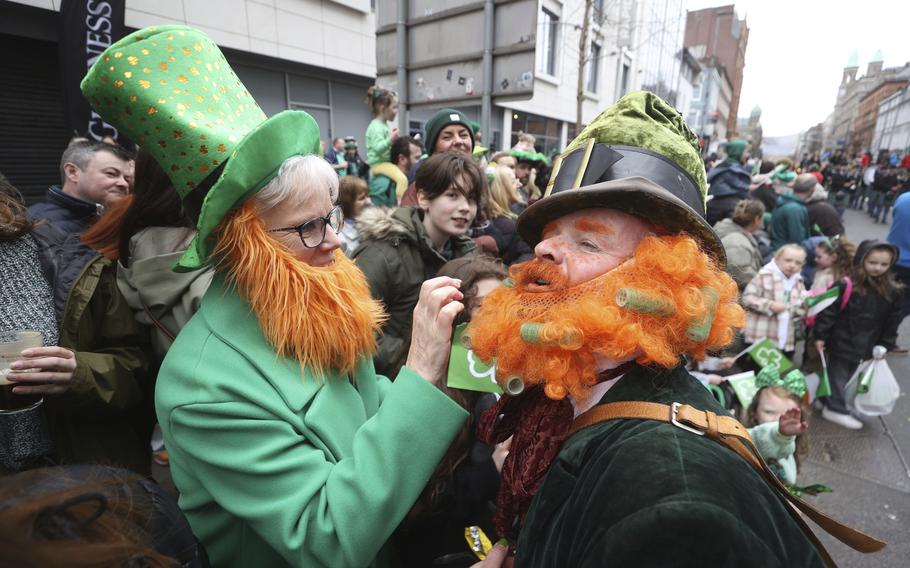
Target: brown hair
<point x="350" y="189"/>
<point x="379" y="98"/>
<point x="885" y="285"/>
<point x="441" y="171"/>
<point x="76" y="523"/>
<point x="14" y="221"/>
<point x="751" y="417"/>
<point x="747" y="211"/>
<point x="843" y="251"/>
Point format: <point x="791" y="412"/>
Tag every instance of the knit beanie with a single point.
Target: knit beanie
<point x="440" y="120"/>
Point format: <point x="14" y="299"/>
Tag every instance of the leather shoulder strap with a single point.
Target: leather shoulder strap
<point x="729" y="432"/>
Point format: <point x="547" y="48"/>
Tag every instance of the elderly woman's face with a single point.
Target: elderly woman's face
<point x="291" y="214"/>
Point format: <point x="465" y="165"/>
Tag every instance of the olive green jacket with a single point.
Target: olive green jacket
<point x="397" y="255"/>
<point x="106" y="415"/>
<point x="645" y="493"/>
<point x="277" y="467"/>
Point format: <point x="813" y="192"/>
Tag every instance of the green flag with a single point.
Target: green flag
<point x="824" y="386"/>
<point x="744" y="386"/>
<point x="468" y="372"/>
<point x="767" y="355"/>
<point x="819" y="302"/>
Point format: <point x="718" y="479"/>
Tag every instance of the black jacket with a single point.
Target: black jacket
<point x="67" y="213"/>
<point x="825" y="216"/>
<point x="729" y="183"/>
<point x="511" y="248"/>
<point x="867" y="320"/>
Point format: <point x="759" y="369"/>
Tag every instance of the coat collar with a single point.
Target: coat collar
<point x="231" y="319"/>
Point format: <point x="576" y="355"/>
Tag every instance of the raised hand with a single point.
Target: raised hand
<point x="431" y="335"/>
<point x="791" y="423"/>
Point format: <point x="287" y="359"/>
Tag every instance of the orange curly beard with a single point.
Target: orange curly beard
<point x="584" y="322"/>
<point x="324" y="317"/>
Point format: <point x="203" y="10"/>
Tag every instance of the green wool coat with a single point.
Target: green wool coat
<point x="645" y="493"/>
<point x="279" y="469"/>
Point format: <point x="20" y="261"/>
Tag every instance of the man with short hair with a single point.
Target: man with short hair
<point x="333" y="154"/>
<point x="790" y="219"/>
<point x="93" y="175"/>
<point x="618" y="455"/>
<point x="405" y="152"/>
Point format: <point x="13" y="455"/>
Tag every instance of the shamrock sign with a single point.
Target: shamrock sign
<point x="466" y="370"/>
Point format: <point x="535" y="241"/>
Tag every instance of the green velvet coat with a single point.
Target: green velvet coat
<point x="645" y="493"/>
<point x="275" y="469"/>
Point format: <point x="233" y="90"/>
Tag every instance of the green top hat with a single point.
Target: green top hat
<point x="637" y="156"/>
<point x="170" y="89"/>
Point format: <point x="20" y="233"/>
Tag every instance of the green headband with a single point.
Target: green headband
<point x="794" y="381"/>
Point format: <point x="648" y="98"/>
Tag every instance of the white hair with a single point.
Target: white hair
<point x="298" y="179"/>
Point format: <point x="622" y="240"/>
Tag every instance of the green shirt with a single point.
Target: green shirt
<point x="379" y="142"/>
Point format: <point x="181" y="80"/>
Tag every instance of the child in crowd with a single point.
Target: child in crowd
<point x="774" y="299"/>
<point x="353" y="197"/>
<point x="776" y="420"/>
<point x="379" y="137"/>
<point x="833" y="258"/>
<point x="525" y="143"/>
<point x="461" y="491"/>
<point x="870" y="318"/>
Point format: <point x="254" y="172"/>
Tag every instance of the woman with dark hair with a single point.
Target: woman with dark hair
<point x="403" y="248"/>
<point x="460" y="493"/>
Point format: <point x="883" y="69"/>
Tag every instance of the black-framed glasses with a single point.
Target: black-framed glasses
<point x="312" y="232"/>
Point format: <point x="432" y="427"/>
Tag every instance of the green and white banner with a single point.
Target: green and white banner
<point x="466" y="370"/>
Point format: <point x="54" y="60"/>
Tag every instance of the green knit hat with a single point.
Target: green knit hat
<point x="735" y="149"/>
<point x="170" y="89"/>
<point x="637" y="156"/>
<point x="440" y="120"/>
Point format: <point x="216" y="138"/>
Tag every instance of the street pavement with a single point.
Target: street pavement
<point x="869" y="469"/>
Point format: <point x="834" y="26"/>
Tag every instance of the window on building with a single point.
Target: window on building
<point x="546" y="42"/>
<point x="592" y="69"/>
<point x="544" y="129"/>
<point x="624" y="80"/>
<point x="696" y="92"/>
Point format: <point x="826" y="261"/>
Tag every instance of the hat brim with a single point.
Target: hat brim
<point x="633" y="195"/>
<point x="253" y="163"/>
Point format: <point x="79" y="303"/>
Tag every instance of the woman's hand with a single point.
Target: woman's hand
<point x="43" y="370"/>
<point x="431" y="335"/>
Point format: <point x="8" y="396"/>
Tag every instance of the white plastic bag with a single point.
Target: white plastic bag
<point x="873" y="390"/>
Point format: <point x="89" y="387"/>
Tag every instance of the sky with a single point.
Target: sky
<point x="798" y="48"/>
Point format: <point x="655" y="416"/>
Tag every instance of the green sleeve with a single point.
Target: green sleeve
<point x="311" y="510"/>
<point x="379" y="142"/>
<point x="111" y="359"/>
<point x="771" y="444"/>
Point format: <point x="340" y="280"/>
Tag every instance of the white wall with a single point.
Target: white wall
<point x="337" y="34"/>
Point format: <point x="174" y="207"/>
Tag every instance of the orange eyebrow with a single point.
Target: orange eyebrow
<point x="589" y="226"/>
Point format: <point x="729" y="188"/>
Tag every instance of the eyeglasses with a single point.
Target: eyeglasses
<point x="312" y="232"/>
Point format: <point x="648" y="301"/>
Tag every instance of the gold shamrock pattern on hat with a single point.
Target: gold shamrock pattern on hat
<point x="174" y="94"/>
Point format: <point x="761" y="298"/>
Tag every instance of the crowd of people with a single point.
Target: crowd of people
<point x="271" y="321"/>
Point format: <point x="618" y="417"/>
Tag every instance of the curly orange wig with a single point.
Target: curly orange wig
<point x="322" y="316"/>
<point x="669" y="299"/>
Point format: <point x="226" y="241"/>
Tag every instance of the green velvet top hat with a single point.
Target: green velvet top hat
<point x="637" y="156"/>
<point x="170" y="89"/>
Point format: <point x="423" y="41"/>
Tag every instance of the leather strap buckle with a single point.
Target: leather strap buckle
<point x="674" y="412"/>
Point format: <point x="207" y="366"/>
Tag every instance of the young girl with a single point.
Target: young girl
<point x="870" y="318"/>
<point x="776" y="420"/>
<point x="353" y="197"/>
<point x="379" y="137"/>
<point x="833" y="258"/>
<point x="774" y="299"/>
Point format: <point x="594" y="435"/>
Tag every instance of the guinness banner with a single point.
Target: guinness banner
<point x="88" y="27"/>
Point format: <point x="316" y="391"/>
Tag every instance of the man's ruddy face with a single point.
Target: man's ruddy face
<point x="104" y="180"/>
<point x="588" y="243"/>
<point x="523" y="172"/>
<point x="454" y="137"/>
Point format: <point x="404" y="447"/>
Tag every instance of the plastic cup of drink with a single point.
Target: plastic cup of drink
<point x="12" y="343"/>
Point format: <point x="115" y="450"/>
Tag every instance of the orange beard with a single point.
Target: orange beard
<point x="324" y="317"/>
<point x="584" y="321"/>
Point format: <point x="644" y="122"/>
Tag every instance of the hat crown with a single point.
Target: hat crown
<point x="171" y="90"/>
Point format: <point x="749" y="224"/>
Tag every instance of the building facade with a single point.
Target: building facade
<point x="314" y="55"/>
<point x="720" y="38"/>
<point x="710" y="108"/>
<point x="867" y="112"/>
<point x="892" y="127"/>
